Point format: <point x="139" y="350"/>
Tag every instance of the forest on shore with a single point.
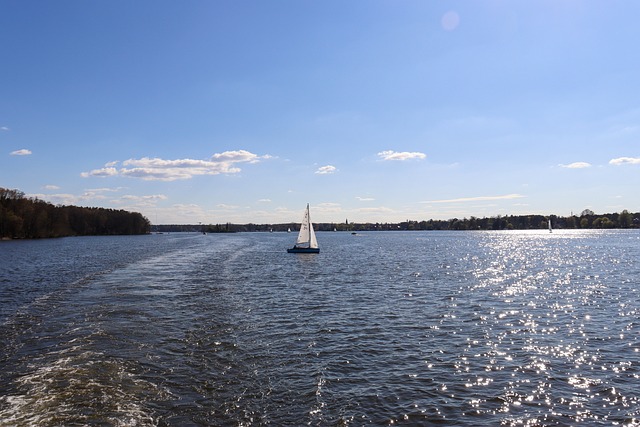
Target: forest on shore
<point x="586" y="220"/>
<point x="23" y="217"/>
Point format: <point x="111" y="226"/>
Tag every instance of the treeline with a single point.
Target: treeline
<point x="28" y="218"/>
<point x="586" y="220"/>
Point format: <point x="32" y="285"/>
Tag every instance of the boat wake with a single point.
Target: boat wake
<point x="80" y="387"/>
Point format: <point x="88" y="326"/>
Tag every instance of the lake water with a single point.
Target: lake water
<point x="391" y="328"/>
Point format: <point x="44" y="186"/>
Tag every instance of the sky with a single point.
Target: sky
<point x="368" y="110"/>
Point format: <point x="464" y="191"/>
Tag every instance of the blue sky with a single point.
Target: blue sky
<point x="371" y="111"/>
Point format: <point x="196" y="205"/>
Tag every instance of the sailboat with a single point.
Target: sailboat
<point x="306" y="243"/>
<point x="550" y="229"/>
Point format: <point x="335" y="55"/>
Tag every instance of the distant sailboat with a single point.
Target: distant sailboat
<point x="306" y="243"/>
<point x="550" y="229"/>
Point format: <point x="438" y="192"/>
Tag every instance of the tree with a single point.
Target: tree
<point x="22" y="217"/>
<point x="603" y="222"/>
<point x="625" y="219"/>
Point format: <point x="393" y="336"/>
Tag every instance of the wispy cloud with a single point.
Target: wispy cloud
<point x="225" y="206"/>
<point x="134" y="202"/>
<point x="576" y="165"/>
<point x="327" y="208"/>
<point x="149" y="197"/>
<point x="176" y="214"/>
<point x="477" y="199"/>
<point x="99" y="193"/>
<point x="106" y="189"/>
<point x="103" y="172"/>
<point x="58" y="199"/>
<point x="4" y="128"/>
<point x="625" y="161"/>
<point x="23" y="152"/>
<point x="156" y="169"/>
<point x="264" y="201"/>
<point x="365" y="199"/>
<point x="403" y="155"/>
<point x="375" y="211"/>
<point x="140" y="201"/>
<point x="325" y="170"/>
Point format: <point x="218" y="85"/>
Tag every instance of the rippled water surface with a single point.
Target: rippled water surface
<point x="415" y="328"/>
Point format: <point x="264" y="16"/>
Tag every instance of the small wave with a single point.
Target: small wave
<point x="80" y="387"/>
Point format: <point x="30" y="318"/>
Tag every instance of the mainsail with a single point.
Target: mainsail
<point x="307" y="237"/>
<point x="306" y="243"/>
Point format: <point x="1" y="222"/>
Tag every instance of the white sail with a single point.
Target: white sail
<point x="303" y="235"/>
<point x="313" y="243"/>
<point x="306" y="242"/>
<point x="307" y="237"/>
<point x="550" y="229"/>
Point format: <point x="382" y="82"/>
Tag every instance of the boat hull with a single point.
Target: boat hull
<point x="296" y="250"/>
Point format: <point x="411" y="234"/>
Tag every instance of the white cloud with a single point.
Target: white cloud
<point x="477" y="199"/>
<point x="224" y="206"/>
<point x="98" y="193"/>
<point x="23" y="152"/>
<point x="625" y="161"/>
<point x="576" y="165"/>
<point x="175" y="214"/>
<point x="325" y="170"/>
<point x="58" y="199"/>
<point x="150" y="197"/>
<point x="170" y="170"/>
<point x="103" y="172"/>
<point x="264" y="201"/>
<point x="93" y="195"/>
<point x="237" y="156"/>
<point x="156" y="169"/>
<point x="106" y="189"/>
<point x="140" y="201"/>
<point x="365" y="199"/>
<point x="376" y="210"/>
<point x="325" y="208"/>
<point x="404" y="155"/>
<point x="4" y="128"/>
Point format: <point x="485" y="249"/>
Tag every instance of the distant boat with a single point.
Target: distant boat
<point x="306" y="243"/>
<point x="550" y="229"/>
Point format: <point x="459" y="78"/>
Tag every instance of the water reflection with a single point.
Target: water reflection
<point x="467" y="328"/>
<point x="552" y="323"/>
